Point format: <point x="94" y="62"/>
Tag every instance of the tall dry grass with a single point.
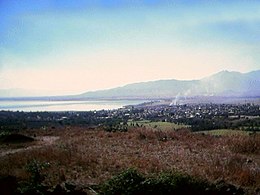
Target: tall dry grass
<point x="92" y="156"/>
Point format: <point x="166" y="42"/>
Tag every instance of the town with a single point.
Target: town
<point x="196" y="117"/>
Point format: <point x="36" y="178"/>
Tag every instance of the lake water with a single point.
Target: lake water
<point x="65" y="105"/>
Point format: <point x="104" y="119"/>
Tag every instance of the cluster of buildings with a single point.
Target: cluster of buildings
<point x="203" y="111"/>
<point x="202" y="116"/>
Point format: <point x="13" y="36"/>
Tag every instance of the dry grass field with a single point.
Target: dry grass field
<point x="89" y="157"/>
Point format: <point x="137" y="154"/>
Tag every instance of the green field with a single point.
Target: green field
<point x="226" y="132"/>
<point x="158" y="125"/>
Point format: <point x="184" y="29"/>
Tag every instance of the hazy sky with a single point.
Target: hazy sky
<point x="75" y="46"/>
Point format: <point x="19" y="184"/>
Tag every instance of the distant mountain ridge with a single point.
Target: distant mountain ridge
<point x="224" y="83"/>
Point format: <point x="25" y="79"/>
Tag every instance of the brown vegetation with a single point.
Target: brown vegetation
<point x="88" y="157"/>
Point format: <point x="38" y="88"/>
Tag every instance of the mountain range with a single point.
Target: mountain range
<point x="224" y="83"/>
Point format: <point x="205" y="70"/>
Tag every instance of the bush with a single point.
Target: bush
<point x="130" y="182"/>
<point x="37" y="176"/>
<point x="127" y="183"/>
<point x="174" y="183"/>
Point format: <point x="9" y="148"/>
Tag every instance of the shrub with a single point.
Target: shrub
<point x="127" y="182"/>
<point x="131" y="182"/>
<point x="37" y="176"/>
<point x="174" y="183"/>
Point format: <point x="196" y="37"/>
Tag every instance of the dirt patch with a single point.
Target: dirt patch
<point x="40" y="142"/>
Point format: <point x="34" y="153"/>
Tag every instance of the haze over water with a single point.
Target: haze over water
<point x="29" y="106"/>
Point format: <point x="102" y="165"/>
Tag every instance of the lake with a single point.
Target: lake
<point x="18" y="105"/>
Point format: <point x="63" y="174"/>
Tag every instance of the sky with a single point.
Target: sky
<point x="70" y="47"/>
